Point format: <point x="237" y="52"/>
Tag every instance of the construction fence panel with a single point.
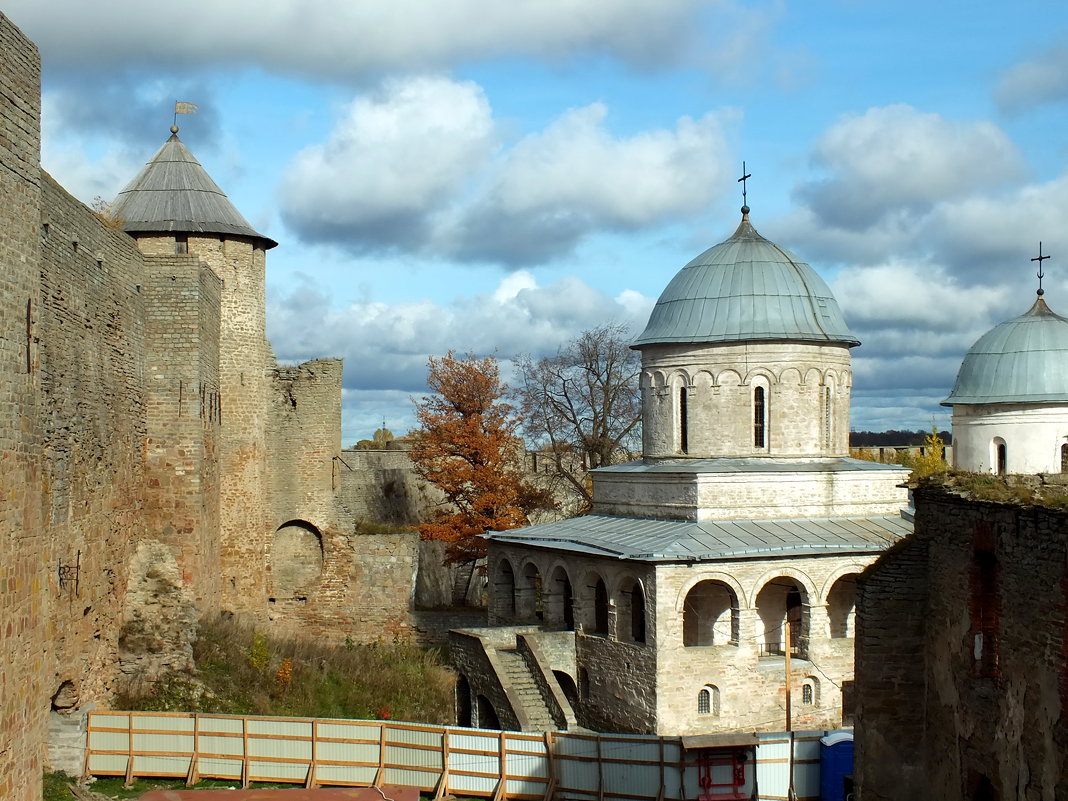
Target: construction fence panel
<point x="461" y="761"/>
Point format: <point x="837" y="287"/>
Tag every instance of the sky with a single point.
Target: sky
<point x="495" y="177"/>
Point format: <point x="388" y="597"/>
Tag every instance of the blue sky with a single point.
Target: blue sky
<point x="496" y="177"/>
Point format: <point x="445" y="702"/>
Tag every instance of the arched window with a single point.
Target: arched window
<point x="1064" y="458"/>
<point x="760" y="417"/>
<point x="841" y="606"/>
<point x="1001" y="458"/>
<point x="781" y="610"/>
<point x="810" y="691"/>
<point x="600" y="609"/>
<point x="505" y="586"/>
<point x="708" y="700"/>
<point x="684" y="432"/>
<point x="827" y="430"/>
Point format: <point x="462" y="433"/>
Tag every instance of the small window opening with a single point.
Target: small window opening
<point x="1064" y="458"/>
<point x="806" y="694"/>
<point x="826" y="417"/>
<point x="684" y="434"/>
<point x="1002" y="459"/>
<point x="181" y="245"/>
<point x="708" y="700"/>
<point x="759" y="417"/>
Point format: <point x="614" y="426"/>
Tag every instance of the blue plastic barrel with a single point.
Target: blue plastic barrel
<point x="836" y="762"/>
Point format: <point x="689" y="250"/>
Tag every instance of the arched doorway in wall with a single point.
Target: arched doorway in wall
<point x="559" y="600"/>
<point x="592" y="606"/>
<point x="486" y="714"/>
<point x="530" y="594"/>
<point x="630" y="616"/>
<point x="463" y="702"/>
<point x="296" y="560"/>
<point x="710" y="614"/>
<point x="567" y="684"/>
<point x="782" y="605"/>
<point x="841" y="606"/>
<point x="504" y="589"/>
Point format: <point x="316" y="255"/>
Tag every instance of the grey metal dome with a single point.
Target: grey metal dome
<point x="173" y="193"/>
<point x="746" y="288"/>
<point x="1024" y="360"/>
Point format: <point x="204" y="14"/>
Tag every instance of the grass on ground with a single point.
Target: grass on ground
<point x="240" y="671"/>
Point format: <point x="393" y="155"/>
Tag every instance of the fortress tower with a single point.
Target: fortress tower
<point x="174" y="209"/>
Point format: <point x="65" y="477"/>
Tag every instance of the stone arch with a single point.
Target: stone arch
<point x="813" y="377"/>
<point x="559" y="598"/>
<point x="761" y="372"/>
<point x="464" y="708"/>
<point x="657" y="379"/>
<point x="567" y="686"/>
<point x="828" y="583"/>
<point x="631" y="620"/>
<point x="710" y="614"/>
<point x="725" y="578"/>
<point x="841" y="606"/>
<point x="504" y="588"/>
<point x="296" y="559"/>
<point x="790" y="376"/>
<point x="592" y="606"/>
<point x="729" y="378"/>
<point x="529" y="593"/>
<point x="782" y="603"/>
<point x="810" y="691"/>
<point x="704" y="379"/>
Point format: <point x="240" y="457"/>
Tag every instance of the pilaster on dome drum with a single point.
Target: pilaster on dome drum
<point x="746" y="288"/>
<point x="173" y="193"/>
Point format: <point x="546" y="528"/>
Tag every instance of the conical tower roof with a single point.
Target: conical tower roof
<point x="1019" y="361"/>
<point x="175" y="194"/>
<point x="746" y="288"/>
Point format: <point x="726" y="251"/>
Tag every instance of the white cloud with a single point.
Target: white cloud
<point x="419" y="168"/>
<point x="897" y="159"/>
<point x="1039" y="80"/>
<point x="344" y="40"/>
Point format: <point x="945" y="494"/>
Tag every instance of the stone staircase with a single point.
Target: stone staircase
<point x="517" y="673"/>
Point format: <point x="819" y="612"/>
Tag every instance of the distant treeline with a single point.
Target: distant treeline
<point x="872" y="439"/>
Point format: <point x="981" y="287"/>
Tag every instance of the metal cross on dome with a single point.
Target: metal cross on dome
<point x="1040" y="258"/>
<point x="745" y="176"/>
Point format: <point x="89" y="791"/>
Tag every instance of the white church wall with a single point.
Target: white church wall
<point x="689" y="495"/>
<point x="806" y="399"/>
<point x="1033" y="436"/>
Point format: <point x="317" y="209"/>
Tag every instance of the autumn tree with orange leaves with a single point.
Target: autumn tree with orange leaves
<point x="467" y="446"/>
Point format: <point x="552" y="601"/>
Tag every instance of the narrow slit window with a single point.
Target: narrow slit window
<point x="759" y="417"/>
<point x="684" y="434"/>
<point x="826" y="417"/>
<point x="1002" y="459"/>
<point x="1064" y="458"/>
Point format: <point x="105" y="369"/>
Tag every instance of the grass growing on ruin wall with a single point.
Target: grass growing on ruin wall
<point x="240" y="671"/>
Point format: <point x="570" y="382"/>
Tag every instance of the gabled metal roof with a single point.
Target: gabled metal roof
<point x="1024" y="360"/>
<point x="746" y="288"/>
<point x="174" y="193"/>
<point x="652" y="540"/>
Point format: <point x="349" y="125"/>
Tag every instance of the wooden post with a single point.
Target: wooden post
<point x="244" y="753"/>
<point x="442" y="789"/>
<point x="192" y="775"/>
<point x="129" y="750"/>
<point x="786" y="633"/>
<point x="501" y="793"/>
<point x="309" y="780"/>
<point x="550" y="788"/>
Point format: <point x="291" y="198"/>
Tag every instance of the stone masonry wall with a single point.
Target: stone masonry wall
<point x="183" y="415"/>
<point x="963" y="689"/>
<point x="25" y="577"/>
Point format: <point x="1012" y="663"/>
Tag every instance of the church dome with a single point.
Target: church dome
<point x="173" y="193"/>
<point x="1020" y="361"/>
<point x="746" y="288"/>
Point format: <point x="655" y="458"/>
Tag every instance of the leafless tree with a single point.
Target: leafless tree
<point x="582" y="407"/>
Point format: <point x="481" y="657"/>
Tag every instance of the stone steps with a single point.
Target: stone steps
<point x="523" y="685"/>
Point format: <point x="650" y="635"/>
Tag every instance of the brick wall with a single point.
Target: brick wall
<point x="942" y="711"/>
<point x="25" y="580"/>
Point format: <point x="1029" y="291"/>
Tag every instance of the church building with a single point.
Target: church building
<point x="711" y="589"/>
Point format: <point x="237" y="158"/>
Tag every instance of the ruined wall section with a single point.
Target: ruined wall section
<point x="25" y="577"/>
<point x="184" y="410"/>
<point x="381" y="485"/>
<point x="304" y="436"/>
<point x="969" y="616"/>
<point x="93" y="414"/>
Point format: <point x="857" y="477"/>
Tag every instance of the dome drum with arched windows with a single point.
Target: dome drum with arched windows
<point x="1010" y="399"/>
<point x="746" y="353"/>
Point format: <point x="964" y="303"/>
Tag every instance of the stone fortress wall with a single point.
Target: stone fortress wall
<point x="156" y="464"/>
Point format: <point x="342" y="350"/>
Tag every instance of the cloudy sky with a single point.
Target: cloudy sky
<point x="496" y="176"/>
